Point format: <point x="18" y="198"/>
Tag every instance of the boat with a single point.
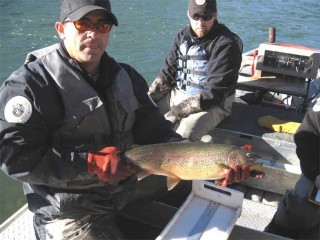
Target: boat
<point x="275" y="79"/>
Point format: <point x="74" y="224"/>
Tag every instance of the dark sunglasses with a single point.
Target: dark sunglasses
<point x="196" y="17"/>
<point x="83" y="25"/>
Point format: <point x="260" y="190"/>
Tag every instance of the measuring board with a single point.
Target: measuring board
<point x="208" y="211"/>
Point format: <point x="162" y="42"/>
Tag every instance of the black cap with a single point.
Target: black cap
<point x="76" y="9"/>
<point x="202" y="7"/>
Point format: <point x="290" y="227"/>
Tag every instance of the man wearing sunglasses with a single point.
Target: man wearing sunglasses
<point x="196" y="86"/>
<point x="65" y="115"/>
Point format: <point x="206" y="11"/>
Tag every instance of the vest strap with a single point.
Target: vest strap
<point x="191" y="84"/>
<point x="194" y="57"/>
<point x="190" y="71"/>
<point x="199" y="86"/>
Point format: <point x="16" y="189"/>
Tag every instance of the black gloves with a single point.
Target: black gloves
<point x="184" y="109"/>
<point x="159" y="88"/>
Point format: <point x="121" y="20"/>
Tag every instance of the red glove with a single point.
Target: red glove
<point x="108" y="165"/>
<point x="234" y="175"/>
<point x="240" y="173"/>
<point x="247" y="147"/>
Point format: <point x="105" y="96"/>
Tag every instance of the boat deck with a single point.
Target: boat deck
<point x="257" y="211"/>
<point x="18" y="226"/>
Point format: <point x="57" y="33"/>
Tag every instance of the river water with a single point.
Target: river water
<point x="145" y="33"/>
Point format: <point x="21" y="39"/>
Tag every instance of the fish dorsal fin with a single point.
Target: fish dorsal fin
<point x="172" y="182"/>
<point x="142" y="174"/>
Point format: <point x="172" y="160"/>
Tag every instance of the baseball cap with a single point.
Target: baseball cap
<point x="76" y="9"/>
<point x="202" y="7"/>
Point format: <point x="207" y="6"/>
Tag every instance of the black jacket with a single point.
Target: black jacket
<point x="225" y="50"/>
<point x="28" y="153"/>
<point x="308" y="144"/>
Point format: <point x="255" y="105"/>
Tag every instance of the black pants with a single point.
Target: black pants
<point x="96" y="227"/>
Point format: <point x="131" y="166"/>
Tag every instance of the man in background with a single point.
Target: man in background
<point x="196" y="86"/>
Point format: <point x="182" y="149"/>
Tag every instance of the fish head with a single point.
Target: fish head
<point x="244" y="157"/>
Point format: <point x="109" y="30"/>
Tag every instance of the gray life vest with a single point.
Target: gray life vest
<point x="87" y="124"/>
<point x="193" y="64"/>
<point x="192" y="68"/>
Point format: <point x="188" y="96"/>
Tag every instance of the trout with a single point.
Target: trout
<point x="189" y="160"/>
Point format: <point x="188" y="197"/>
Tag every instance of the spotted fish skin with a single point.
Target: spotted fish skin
<point x="189" y="160"/>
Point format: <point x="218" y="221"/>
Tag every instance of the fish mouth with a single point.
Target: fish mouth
<point x="252" y="161"/>
<point x="253" y="157"/>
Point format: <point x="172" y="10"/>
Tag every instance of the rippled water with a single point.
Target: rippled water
<point x="144" y="35"/>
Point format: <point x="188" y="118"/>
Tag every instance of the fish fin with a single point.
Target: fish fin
<point x="172" y="182"/>
<point x="142" y="174"/>
<point x="220" y="171"/>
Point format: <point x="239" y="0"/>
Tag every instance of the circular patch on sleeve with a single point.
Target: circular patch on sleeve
<point x="200" y="2"/>
<point x="18" y="110"/>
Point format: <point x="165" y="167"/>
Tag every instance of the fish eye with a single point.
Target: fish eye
<point x="252" y="155"/>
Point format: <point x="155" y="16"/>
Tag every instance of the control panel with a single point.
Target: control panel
<point x="287" y="59"/>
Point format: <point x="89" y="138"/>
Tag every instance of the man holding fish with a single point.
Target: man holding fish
<point x="68" y="119"/>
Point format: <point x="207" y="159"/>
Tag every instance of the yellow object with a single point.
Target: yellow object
<point x="278" y="125"/>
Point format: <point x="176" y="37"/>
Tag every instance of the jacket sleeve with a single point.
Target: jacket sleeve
<point x="169" y="71"/>
<point x="308" y="144"/>
<point x="223" y="70"/>
<point x="150" y="126"/>
<point x="26" y="147"/>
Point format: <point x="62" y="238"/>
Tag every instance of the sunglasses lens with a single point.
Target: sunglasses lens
<point x="196" y="17"/>
<point x="86" y="26"/>
<point x="82" y="26"/>
<point x="104" y="27"/>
